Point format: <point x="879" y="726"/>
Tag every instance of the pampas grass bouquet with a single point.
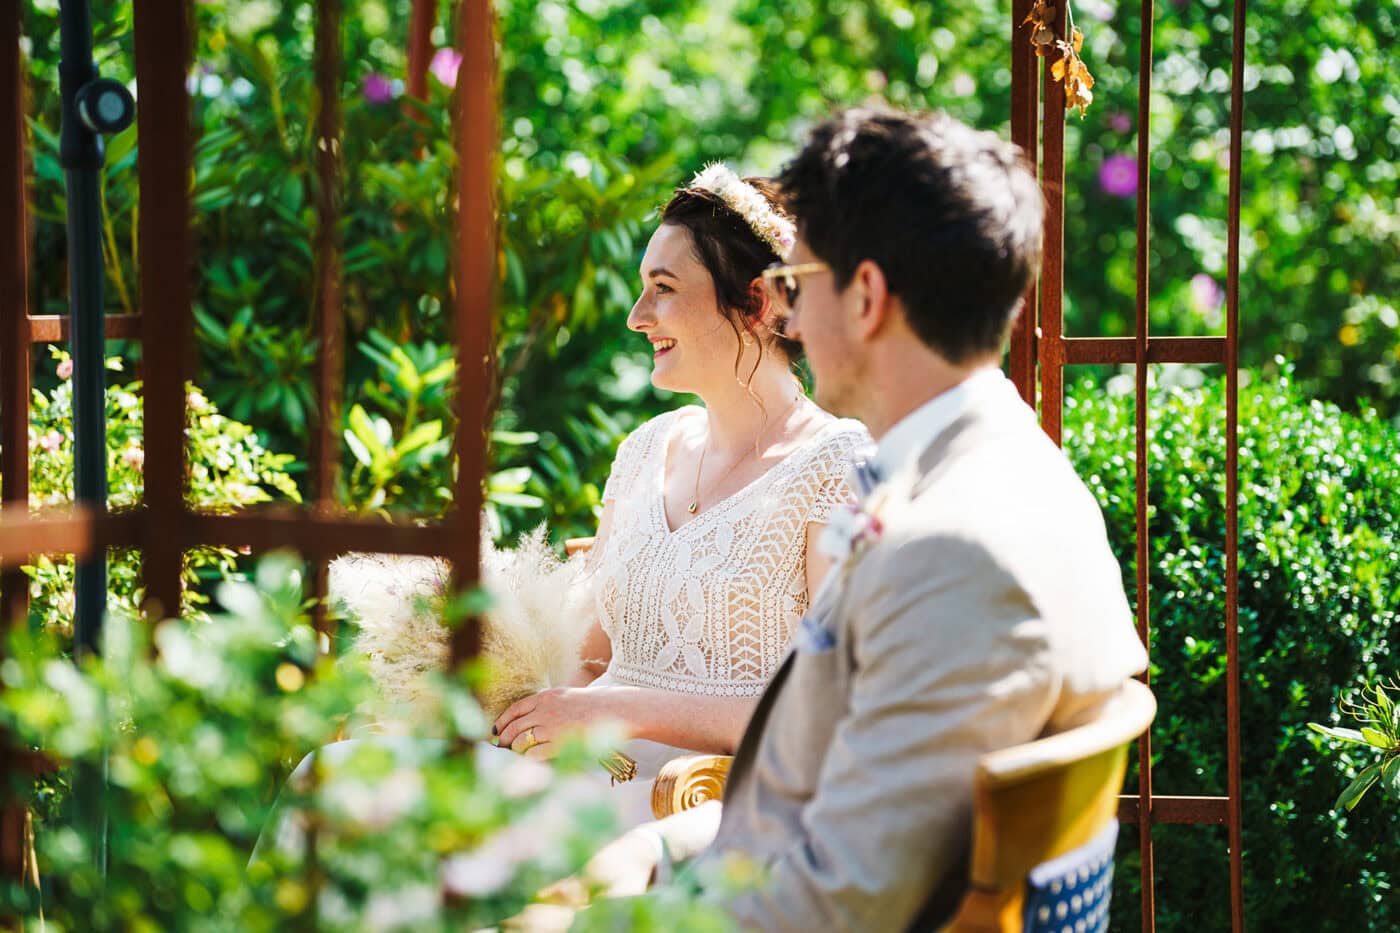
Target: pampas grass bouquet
<point x="531" y="635"/>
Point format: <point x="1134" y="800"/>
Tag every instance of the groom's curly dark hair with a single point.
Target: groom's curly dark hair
<point x="952" y="216"/>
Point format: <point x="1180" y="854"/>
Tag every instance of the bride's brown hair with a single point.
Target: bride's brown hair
<point x="734" y="256"/>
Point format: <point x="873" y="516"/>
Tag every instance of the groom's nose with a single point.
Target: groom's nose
<point x="789" y="328"/>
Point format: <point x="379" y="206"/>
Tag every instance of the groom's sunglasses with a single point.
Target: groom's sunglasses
<point x="782" y="282"/>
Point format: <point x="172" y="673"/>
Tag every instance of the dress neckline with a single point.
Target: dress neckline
<point x="659" y="491"/>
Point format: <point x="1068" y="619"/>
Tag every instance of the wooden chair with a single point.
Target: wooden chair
<point x="1044" y="821"/>
<point x="573" y="546"/>
<point x="1046" y="812"/>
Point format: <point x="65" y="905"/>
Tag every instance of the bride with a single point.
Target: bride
<point x="704" y="558"/>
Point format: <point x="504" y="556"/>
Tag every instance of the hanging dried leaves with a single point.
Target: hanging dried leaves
<point x="1070" y="68"/>
<point x="1042" y="17"/>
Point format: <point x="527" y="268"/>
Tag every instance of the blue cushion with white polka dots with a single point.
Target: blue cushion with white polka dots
<point x="1070" y="894"/>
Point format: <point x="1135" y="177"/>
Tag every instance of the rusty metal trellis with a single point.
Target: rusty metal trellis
<point x="1039" y="340"/>
<point x="164" y="527"/>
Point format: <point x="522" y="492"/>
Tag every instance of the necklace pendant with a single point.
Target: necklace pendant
<point x="692" y="507"/>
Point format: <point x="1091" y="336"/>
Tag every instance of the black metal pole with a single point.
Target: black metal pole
<point x="81" y="153"/>
<point x="91" y="106"/>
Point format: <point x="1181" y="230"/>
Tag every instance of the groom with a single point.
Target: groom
<point x="975" y="603"/>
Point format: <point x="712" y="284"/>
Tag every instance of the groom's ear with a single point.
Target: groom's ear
<point x="870" y="291"/>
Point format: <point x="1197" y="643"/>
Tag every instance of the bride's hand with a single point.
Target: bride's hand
<point x="535" y="725"/>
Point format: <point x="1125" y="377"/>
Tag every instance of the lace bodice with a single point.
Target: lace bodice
<point x="709" y="608"/>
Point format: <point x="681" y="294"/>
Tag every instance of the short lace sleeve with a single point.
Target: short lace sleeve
<point x="632" y="455"/>
<point x="833" y="461"/>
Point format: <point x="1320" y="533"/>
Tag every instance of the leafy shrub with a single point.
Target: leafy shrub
<point x="1319" y="593"/>
<point x="229" y="469"/>
<point x="197" y="742"/>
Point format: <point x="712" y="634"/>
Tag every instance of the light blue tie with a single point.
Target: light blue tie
<point x="865" y="476"/>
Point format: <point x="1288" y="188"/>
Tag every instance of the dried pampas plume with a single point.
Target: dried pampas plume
<point x="531" y="635"/>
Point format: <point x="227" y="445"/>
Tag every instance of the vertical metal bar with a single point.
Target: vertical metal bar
<point x="420" y="46"/>
<point x="1052" y="276"/>
<point x="330" y="367"/>
<point x="475" y="266"/>
<point x="164" y="33"/>
<point x="1232" y="390"/>
<point x="14" y="309"/>
<point x="1025" y="128"/>
<point x="14" y="391"/>
<point x="81" y="153"/>
<point x="1140" y="428"/>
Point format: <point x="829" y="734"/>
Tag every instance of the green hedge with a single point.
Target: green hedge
<point x="1319" y="592"/>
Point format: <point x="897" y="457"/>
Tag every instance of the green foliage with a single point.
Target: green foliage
<point x="1320" y="218"/>
<point x="1379" y="721"/>
<point x="197" y="740"/>
<point x="608" y="104"/>
<point x="403" y="460"/>
<point x="1319" y="595"/>
<point x="229" y="470"/>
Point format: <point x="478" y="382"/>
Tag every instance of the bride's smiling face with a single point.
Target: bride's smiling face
<point x="693" y="344"/>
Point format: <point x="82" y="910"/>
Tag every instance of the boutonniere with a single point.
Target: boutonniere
<point x="852" y="529"/>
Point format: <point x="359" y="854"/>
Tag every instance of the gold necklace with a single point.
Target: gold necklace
<point x="694" y="505"/>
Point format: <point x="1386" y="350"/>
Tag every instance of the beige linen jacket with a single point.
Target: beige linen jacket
<point x="988" y="612"/>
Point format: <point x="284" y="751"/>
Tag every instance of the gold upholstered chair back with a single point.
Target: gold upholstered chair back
<point x="1051" y="804"/>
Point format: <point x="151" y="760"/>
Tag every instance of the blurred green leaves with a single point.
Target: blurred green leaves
<point x="199" y="722"/>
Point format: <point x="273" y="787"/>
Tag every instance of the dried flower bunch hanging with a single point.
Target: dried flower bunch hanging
<point x="1070" y="69"/>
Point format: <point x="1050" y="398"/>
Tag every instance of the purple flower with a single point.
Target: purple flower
<point x="445" y="65"/>
<point x="377" y="89"/>
<point x="1120" y="122"/>
<point x="1118" y="176"/>
<point x="1206" y="295"/>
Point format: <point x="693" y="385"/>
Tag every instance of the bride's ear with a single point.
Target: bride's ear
<point x="765" y="317"/>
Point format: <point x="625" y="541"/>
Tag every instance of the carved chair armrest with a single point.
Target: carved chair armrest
<point x="689" y="781"/>
<point x="573" y="546"/>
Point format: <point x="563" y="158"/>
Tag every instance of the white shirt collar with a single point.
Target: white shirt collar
<point x="913" y="433"/>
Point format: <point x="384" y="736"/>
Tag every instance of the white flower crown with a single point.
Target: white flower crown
<point x="745" y="200"/>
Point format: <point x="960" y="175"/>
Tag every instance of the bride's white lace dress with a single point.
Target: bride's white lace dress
<point x="705" y="609"/>
<point x="708" y="608"/>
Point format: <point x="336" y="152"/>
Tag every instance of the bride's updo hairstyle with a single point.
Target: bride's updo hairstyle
<point x="736" y="248"/>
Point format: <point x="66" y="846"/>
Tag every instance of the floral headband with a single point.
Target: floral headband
<point x="745" y="200"/>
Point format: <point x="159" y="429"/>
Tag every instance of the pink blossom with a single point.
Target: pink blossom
<point x="134" y="457"/>
<point x="1118" y="176"/>
<point x="1206" y="295"/>
<point x="65" y="369"/>
<point x="51" y="441"/>
<point x="377" y="89"/>
<point x="445" y="65"/>
<point x="1120" y="122"/>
